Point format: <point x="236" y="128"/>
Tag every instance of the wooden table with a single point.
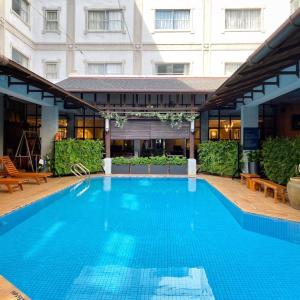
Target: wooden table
<point x="246" y="178"/>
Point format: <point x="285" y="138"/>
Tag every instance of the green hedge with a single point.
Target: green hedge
<point x="220" y="158"/>
<point x="69" y="152"/>
<point x="280" y="158"/>
<point x="153" y="160"/>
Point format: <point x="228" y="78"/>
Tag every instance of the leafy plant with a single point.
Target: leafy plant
<point x="154" y="160"/>
<point x="220" y="157"/>
<point x="69" y="152"/>
<point x="280" y="156"/>
<point x="254" y="156"/>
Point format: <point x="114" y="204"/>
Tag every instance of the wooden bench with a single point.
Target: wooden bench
<point x="246" y="178"/>
<point x="279" y="191"/>
<point x="12" y="183"/>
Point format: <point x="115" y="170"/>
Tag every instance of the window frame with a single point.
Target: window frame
<point x="189" y="29"/>
<point x="187" y="67"/>
<point x="105" y="63"/>
<point x="45" y="10"/>
<point x="19" y="15"/>
<point x="261" y="29"/>
<point x="27" y="66"/>
<point x="56" y="62"/>
<point x="105" y="10"/>
<point x="231" y="62"/>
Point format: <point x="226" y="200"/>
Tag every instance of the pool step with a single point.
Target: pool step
<point x="9" y="292"/>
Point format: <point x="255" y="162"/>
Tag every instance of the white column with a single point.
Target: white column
<point x="249" y="119"/>
<point x="1" y="124"/>
<point x="50" y="117"/>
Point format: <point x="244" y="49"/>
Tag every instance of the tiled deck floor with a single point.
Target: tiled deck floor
<point x="247" y="200"/>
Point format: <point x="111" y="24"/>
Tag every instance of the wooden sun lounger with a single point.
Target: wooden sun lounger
<point x="12" y="183"/>
<point x="14" y="172"/>
<point x="279" y="191"/>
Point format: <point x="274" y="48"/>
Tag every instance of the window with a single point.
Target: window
<point x="104" y="20"/>
<point x="172" y="69"/>
<point x="51" y="70"/>
<point x="294" y="5"/>
<point x="104" y="68"/>
<point x="89" y="127"/>
<point x="51" y="21"/>
<point x="20" y="58"/>
<point x="231" y="67"/>
<point x="243" y="19"/>
<point x="168" y="19"/>
<point x="21" y="8"/>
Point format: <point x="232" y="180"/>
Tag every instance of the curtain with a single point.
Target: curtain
<point x="96" y="69"/>
<point x="96" y="20"/>
<point x="181" y="19"/>
<point x="172" y="19"/>
<point x="243" y="19"/>
<point x="115" y="20"/>
<point x="51" y="20"/>
<point x="164" y="19"/>
<point x="114" y="69"/>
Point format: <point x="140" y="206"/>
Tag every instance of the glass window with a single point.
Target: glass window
<point x="19" y="58"/>
<point x="213" y="134"/>
<point x="105" y="20"/>
<point x="231" y="67"/>
<point x="168" y="19"/>
<point x="104" y="68"/>
<point x="21" y="8"/>
<point x="294" y="5"/>
<point x="172" y="69"/>
<point x="243" y="19"/>
<point x="51" y="20"/>
<point x="51" y="70"/>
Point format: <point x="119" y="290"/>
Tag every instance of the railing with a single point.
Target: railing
<point x="80" y="171"/>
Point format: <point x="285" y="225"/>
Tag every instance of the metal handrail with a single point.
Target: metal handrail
<point x="80" y="170"/>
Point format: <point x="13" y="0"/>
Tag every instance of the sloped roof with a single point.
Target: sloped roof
<point x="141" y="84"/>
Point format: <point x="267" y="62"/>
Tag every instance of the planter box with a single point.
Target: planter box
<point x="178" y="170"/>
<point x="159" y="169"/>
<point x="120" y="169"/>
<point x="139" y="169"/>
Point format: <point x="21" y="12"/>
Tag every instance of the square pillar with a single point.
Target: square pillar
<point x="204" y="126"/>
<point x="137" y="147"/>
<point x="50" y="118"/>
<point x="249" y="119"/>
<point x="1" y="125"/>
<point x="71" y="126"/>
<point x="107" y="138"/>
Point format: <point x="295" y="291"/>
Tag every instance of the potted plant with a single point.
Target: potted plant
<point x="178" y="165"/>
<point x="139" y="165"/>
<point x="293" y="189"/>
<point x="159" y="165"/>
<point x="120" y="165"/>
<point x="254" y="159"/>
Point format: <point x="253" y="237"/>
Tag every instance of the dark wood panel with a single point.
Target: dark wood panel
<point x="148" y="129"/>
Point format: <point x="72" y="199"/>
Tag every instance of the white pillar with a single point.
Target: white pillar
<point x="249" y="119"/>
<point x="50" y="117"/>
<point x="1" y="124"/>
<point x="192" y="167"/>
<point x="107" y="165"/>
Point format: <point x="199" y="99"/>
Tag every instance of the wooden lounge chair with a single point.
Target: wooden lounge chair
<point x="12" y="183"/>
<point x="12" y="171"/>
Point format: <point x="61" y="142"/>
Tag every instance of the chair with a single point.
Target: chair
<point x="12" y="183"/>
<point x="12" y="171"/>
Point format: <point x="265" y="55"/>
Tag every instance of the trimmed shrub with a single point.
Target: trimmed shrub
<point x="280" y="157"/>
<point x="220" y="157"/>
<point x="153" y="160"/>
<point x="69" y="152"/>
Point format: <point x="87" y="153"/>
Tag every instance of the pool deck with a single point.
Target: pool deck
<point x="247" y="200"/>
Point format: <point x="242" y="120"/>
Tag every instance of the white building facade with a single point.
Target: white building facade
<point x="136" y="37"/>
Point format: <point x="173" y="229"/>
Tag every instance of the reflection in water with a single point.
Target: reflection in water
<point x="107" y="184"/>
<point x="163" y="283"/>
<point x="192" y="185"/>
<point x="129" y="201"/>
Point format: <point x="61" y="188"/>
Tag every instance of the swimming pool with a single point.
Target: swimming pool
<point x="148" y="238"/>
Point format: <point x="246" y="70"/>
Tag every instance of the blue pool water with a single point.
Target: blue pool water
<point x="141" y="238"/>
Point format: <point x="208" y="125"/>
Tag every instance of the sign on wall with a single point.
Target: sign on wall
<point x="251" y="138"/>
